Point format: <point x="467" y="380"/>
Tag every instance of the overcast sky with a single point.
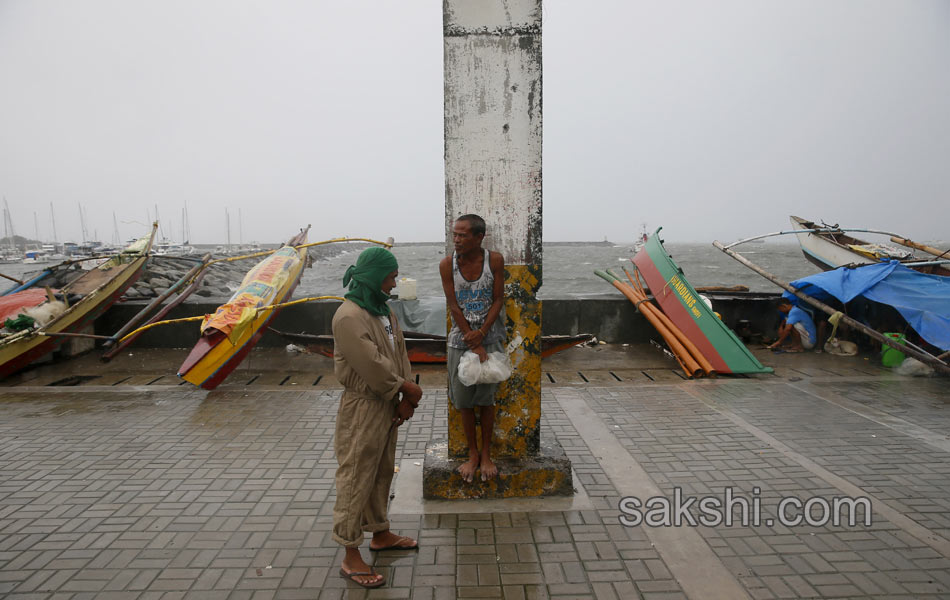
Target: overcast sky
<point x="715" y="120"/>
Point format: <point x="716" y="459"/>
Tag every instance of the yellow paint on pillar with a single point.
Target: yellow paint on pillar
<point x="518" y="402"/>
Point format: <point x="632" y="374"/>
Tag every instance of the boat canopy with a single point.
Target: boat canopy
<point x="923" y="300"/>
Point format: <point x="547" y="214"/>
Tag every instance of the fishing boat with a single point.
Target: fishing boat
<point x="427" y="347"/>
<point x="61" y="301"/>
<point x="829" y="247"/>
<point x="682" y="304"/>
<point x="234" y="329"/>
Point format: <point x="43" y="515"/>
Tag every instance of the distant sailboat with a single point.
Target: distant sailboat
<point x="9" y="254"/>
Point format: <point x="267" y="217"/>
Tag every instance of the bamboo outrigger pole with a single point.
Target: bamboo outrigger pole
<point x="259" y="309"/>
<point x="923" y="357"/>
<point x="668" y="323"/>
<point x="13" y="279"/>
<point x="928" y="249"/>
<point x="192" y="275"/>
<point x="689" y="364"/>
<point x="912" y="244"/>
<point x="386" y="244"/>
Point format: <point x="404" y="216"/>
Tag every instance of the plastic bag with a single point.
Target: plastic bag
<point x="469" y="368"/>
<point x="911" y="367"/>
<point x="494" y="370"/>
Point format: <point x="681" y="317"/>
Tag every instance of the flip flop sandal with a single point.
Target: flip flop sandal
<point x="374" y="584"/>
<point x="397" y="546"/>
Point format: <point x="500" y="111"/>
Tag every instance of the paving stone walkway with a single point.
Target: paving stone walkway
<point x="164" y="492"/>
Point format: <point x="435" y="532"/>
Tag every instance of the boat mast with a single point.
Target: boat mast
<point x="82" y="224"/>
<point x="161" y="230"/>
<point x="227" y="223"/>
<point x="8" y="224"/>
<point x="52" y="219"/>
<point x="187" y="226"/>
<point x="115" y="231"/>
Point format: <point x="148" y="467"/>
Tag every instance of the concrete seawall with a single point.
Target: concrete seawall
<point x="613" y="320"/>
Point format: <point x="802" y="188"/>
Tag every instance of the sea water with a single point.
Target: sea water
<point x="568" y="270"/>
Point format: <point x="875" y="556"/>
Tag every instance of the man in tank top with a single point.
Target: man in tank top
<point x="473" y="280"/>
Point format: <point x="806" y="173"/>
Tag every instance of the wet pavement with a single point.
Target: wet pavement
<point x="117" y="482"/>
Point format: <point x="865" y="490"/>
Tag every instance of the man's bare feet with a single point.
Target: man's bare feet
<point x="387" y="540"/>
<point x="353" y="563"/>
<point x="489" y="470"/>
<point x="467" y="469"/>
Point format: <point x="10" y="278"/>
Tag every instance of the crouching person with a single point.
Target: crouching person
<point x="797" y="333"/>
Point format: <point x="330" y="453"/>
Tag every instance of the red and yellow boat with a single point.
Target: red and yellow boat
<point x="234" y="329"/>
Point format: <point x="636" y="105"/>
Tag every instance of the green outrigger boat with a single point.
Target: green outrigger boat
<point x="682" y="304"/>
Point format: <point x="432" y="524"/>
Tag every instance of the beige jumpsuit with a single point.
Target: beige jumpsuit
<point x="371" y="372"/>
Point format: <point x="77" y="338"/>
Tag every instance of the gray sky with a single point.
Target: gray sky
<point x="712" y="119"/>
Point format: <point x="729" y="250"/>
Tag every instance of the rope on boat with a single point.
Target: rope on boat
<point x="301" y="301"/>
<point x="269" y="252"/>
<point x="135" y="332"/>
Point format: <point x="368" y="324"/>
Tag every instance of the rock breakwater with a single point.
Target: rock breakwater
<point x="220" y="281"/>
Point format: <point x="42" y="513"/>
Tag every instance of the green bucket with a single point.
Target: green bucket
<point x="891" y="357"/>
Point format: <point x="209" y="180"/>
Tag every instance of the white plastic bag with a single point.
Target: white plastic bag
<point x="494" y="370"/>
<point x="470" y="369"/>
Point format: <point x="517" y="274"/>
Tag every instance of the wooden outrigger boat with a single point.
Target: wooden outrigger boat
<point x="71" y="300"/>
<point x="229" y="335"/>
<point x="829" y="247"/>
<point x="682" y="304"/>
<point x="427" y="347"/>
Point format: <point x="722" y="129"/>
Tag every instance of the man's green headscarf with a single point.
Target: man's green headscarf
<point x="365" y="279"/>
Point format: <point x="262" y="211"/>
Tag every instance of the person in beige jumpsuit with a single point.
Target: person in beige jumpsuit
<point x="371" y="363"/>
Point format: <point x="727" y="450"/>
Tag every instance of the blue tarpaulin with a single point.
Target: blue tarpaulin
<point x="923" y="300"/>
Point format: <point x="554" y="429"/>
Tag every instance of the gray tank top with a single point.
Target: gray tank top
<point x="474" y="298"/>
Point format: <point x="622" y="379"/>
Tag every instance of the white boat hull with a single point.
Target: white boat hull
<point x="824" y="254"/>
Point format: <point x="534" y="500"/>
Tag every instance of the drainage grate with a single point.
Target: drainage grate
<point x="615" y="376"/>
<point x="122" y="380"/>
<point x="584" y="377"/>
<point x="648" y="376"/>
<point x="551" y="378"/>
<point x="284" y="380"/>
<point x="73" y="380"/>
<point x="317" y="380"/>
<point x="253" y="379"/>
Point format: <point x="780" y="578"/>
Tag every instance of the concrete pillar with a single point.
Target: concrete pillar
<point x="492" y="61"/>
